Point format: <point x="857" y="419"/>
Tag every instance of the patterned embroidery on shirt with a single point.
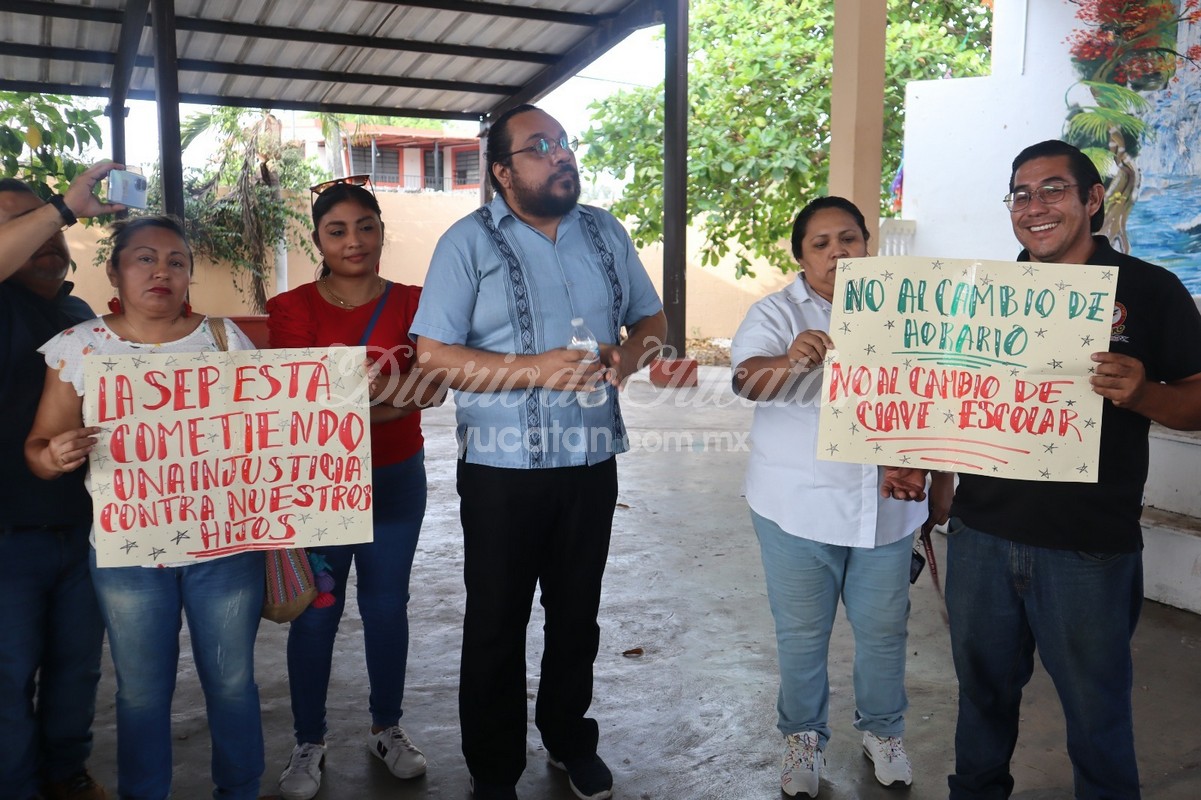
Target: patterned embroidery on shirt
<point x="609" y="266"/>
<point x="525" y="330"/>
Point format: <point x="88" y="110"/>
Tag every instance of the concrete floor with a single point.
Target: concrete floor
<point x="693" y="717"/>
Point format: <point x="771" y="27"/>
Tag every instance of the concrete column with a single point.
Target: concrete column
<point x="857" y="105"/>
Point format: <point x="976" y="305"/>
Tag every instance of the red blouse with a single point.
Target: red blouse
<point x="303" y="318"/>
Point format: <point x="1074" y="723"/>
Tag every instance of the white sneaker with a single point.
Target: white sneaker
<point x="301" y="779"/>
<point x="802" y="764"/>
<point x="888" y="756"/>
<point x="394" y="748"/>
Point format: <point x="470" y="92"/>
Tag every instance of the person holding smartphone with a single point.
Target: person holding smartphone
<point x="52" y="635"/>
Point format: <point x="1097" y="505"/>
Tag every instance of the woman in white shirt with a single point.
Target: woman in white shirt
<point x="151" y="269"/>
<point x="824" y="528"/>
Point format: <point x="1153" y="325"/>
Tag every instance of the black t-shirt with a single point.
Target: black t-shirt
<point x="27" y="321"/>
<point x="1155" y="321"/>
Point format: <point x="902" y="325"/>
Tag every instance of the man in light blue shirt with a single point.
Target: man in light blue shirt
<point x="537" y="479"/>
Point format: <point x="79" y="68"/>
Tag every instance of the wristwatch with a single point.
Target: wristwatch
<point x="58" y="202"/>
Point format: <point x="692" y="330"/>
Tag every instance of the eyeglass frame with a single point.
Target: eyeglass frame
<point x="552" y="147"/>
<point x="362" y="179"/>
<point x="1037" y="192"/>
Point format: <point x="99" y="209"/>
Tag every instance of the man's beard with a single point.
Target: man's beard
<point x="542" y="202"/>
<point x="48" y="266"/>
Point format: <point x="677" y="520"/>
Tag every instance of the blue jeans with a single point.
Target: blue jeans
<point x="50" y="644"/>
<point x="804" y="581"/>
<point x="1080" y="611"/>
<point x="382" y="567"/>
<point x="142" y="609"/>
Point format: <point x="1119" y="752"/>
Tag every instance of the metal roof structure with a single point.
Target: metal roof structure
<point x="436" y="59"/>
<point x="441" y="59"/>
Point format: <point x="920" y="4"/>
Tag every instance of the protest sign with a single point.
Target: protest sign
<point x="970" y="366"/>
<point x="205" y="455"/>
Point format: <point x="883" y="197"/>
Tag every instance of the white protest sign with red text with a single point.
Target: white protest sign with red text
<point x="967" y="366"/>
<point x="205" y="455"/>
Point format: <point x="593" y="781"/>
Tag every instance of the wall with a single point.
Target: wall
<point x="961" y="135"/>
<point x="412" y="168"/>
<point x="717" y="302"/>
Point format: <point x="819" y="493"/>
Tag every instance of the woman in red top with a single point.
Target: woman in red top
<point x="340" y="308"/>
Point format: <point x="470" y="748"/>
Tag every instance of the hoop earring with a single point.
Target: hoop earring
<point x="114" y="304"/>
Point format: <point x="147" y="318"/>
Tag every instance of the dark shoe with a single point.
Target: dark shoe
<point x="491" y="791"/>
<point x="79" y="786"/>
<point x="588" y="776"/>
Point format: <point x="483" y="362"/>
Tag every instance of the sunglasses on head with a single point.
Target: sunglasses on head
<point x="353" y="180"/>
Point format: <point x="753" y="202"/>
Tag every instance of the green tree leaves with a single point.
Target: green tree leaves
<point x="43" y="137"/>
<point x="759" y="116"/>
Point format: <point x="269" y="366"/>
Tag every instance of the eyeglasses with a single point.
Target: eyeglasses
<point x="545" y="148"/>
<point x="1050" y="194"/>
<point x="353" y="180"/>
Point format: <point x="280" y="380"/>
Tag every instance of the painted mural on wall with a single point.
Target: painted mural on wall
<point x="1136" y="111"/>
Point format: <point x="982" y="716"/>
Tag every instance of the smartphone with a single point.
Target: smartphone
<point x="916" y="565"/>
<point x="127" y="188"/>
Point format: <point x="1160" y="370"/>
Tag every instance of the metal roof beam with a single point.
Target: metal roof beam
<point x="87" y="13"/>
<point x="640" y="14"/>
<point x="74" y="54"/>
<point x="256" y="70"/>
<point x="122" y="76"/>
<point x="248" y="31"/>
<point x="127" y="50"/>
<point x="243" y="102"/>
<point x="498" y="10"/>
<point x="297" y="74"/>
<point x="328" y="108"/>
<point x="167" y="100"/>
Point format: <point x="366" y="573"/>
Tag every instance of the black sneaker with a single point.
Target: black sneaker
<point x="588" y="776"/>
<point x="79" y="786"/>
<point x="491" y="791"/>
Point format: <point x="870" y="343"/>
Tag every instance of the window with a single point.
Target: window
<point x="387" y="164"/>
<point x="467" y="168"/>
<point x="431" y="172"/>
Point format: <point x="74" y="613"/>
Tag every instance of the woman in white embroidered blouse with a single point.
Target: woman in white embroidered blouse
<point x="150" y="268"/>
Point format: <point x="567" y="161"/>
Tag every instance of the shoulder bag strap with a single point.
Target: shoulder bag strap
<point x="217" y="330"/>
<point x="379" y="309"/>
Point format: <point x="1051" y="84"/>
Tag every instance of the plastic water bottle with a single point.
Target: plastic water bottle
<point x="583" y="340"/>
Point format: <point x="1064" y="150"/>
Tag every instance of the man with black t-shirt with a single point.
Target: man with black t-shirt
<point x="1058" y="566"/>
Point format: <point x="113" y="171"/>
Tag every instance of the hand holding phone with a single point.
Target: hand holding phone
<point x="916" y="564"/>
<point x="127" y="188"/>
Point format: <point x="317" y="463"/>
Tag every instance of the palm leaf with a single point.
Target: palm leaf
<point x="194" y="126"/>
<point x="1102" y="159"/>
<point x="1113" y="96"/>
<point x="1094" y="124"/>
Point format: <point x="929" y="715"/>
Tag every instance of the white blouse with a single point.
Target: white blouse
<point x="66" y="350"/>
<point x="832" y="502"/>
